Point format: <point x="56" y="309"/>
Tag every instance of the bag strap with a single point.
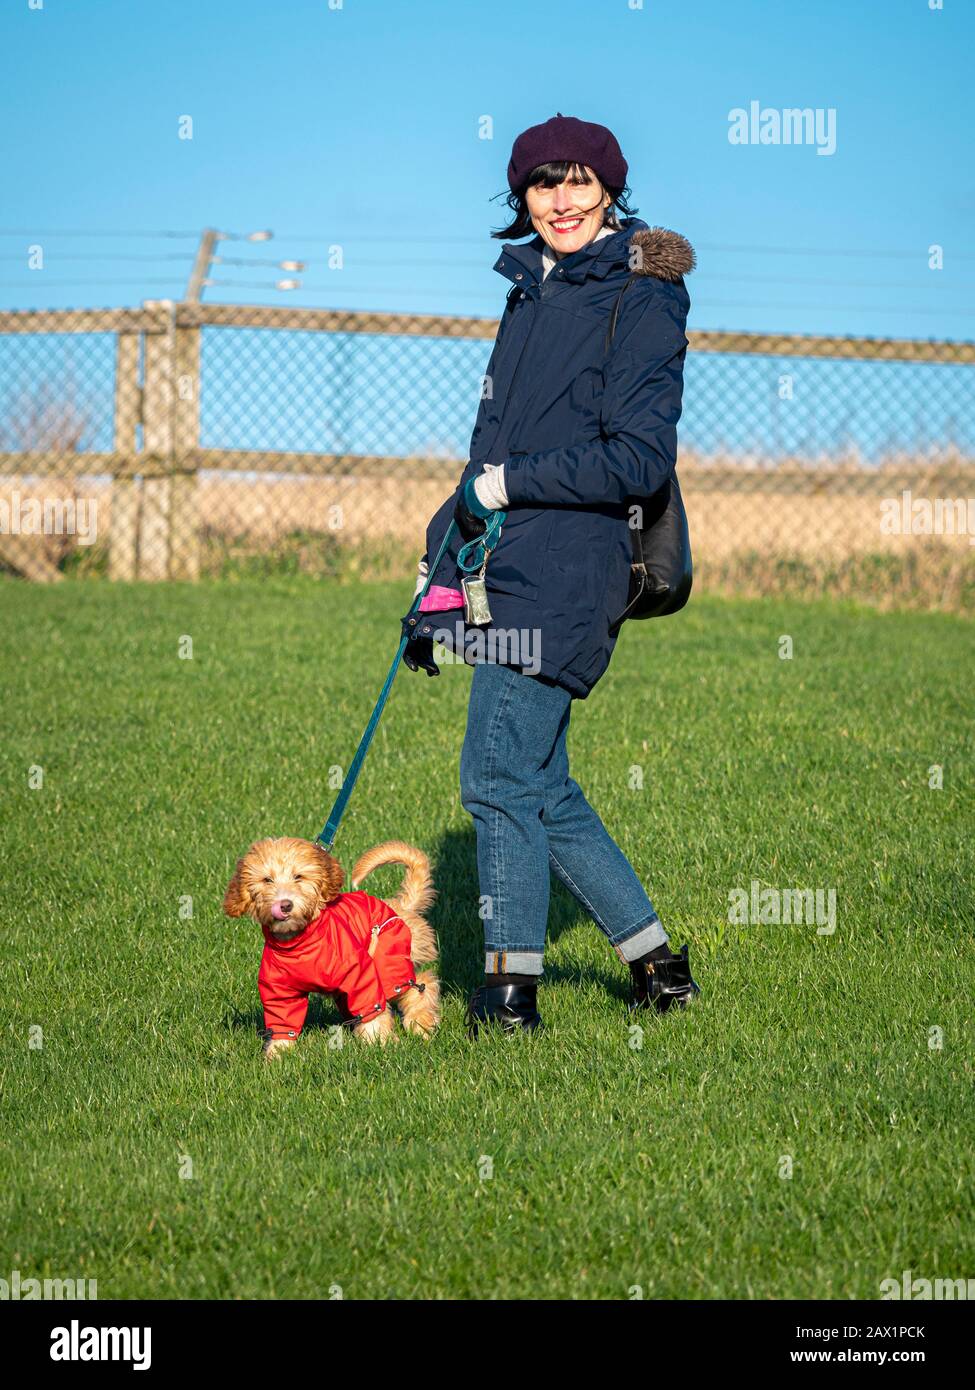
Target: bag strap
<point x="636" y="535"/>
<point x="615" y="313"/>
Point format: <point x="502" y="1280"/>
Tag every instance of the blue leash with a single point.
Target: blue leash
<point x="487" y="542"/>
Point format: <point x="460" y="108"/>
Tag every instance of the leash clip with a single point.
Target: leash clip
<point x="487" y="542"/>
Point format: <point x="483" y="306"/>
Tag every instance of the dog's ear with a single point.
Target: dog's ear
<point x="331" y="876"/>
<point x="236" y="901"/>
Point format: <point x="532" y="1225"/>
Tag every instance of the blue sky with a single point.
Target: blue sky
<point x="359" y="127"/>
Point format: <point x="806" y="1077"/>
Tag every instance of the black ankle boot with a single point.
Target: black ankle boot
<point x="661" y="984"/>
<point x="514" y="1007"/>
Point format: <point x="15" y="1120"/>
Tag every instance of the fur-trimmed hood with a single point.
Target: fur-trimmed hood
<point x="662" y="253"/>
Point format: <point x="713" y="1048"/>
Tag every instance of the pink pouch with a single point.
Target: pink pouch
<point x="437" y="599"/>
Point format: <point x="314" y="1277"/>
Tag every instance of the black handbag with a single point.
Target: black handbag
<point x="661" y="571"/>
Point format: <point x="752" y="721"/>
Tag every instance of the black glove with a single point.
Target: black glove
<point x="470" y="523"/>
<point x="419" y="650"/>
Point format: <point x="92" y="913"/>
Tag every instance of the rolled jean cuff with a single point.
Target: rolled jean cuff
<point x="501" y="961"/>
<point x="641" y="940"/>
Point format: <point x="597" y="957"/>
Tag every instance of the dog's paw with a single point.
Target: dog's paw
<point x="421" y="1025"/>
<point x="276" y="1047"/>
<point x="377" y="1031"/>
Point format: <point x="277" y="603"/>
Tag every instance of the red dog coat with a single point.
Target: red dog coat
<point x="331" y="956"/>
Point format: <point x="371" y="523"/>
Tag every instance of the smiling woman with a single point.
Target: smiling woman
<point x="577" y="426"/>
<point x="535" y="179"/>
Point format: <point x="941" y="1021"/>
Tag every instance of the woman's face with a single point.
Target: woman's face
<point x="568" y="216"/>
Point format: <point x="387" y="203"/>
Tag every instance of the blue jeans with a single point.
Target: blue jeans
<point x="530" y="818"/>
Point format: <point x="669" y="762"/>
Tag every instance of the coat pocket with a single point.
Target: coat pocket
<point x="517" y="566"/>
<point x="586" y="390"/>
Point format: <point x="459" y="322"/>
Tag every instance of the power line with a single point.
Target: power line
<point x="66" y="284"/>
<point x="257" y="261"/>
<point x="244" y="285"/>
<point x="867" y="254"/>
<point x="107" y="256"/>
<point x="417" y="240"/>
<point x="921" y="253"/>
<point x="740" y="279"/>
<point x="33" y="231"/>
<point x="183" y="256"/>
<point x="834" y="284"/>
<point x="355" y="238"/>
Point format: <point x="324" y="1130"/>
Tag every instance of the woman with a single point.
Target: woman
<point x="568" y="438"/>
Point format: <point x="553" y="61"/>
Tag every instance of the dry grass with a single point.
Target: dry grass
<point x="790" y="529"/>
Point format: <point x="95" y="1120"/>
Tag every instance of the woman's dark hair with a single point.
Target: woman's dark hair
<point x="551" y="175"/>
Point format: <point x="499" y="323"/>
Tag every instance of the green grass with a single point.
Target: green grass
<point x="615" y="1164"/>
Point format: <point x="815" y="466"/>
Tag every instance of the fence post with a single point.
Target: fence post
<point x="184" y="556"/>
<point x="157" y="444"/>
<point x="123" y="536"/>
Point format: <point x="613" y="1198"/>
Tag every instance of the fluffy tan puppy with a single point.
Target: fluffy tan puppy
<point x="359" y="948"/>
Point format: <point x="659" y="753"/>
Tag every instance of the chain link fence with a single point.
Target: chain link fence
<point x="181" y="440"/>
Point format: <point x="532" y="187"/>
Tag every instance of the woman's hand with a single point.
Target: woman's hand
<point x="418" y="653"/>
<point x="419" y="650"/>
<point x="470" y="516"/>
<point x="478" y="498"/>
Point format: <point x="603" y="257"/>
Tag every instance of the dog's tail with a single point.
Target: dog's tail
<point x="417" y="892"/>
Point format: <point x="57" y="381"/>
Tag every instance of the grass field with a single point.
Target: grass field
<point x="147" y="1146"/>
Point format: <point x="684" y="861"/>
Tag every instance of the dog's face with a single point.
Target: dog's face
<point x="283" y="885"/>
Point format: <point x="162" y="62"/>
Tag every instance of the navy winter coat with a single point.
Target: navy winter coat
<point x="582" y="436"/>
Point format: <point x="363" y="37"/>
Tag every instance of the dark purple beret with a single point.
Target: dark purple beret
<point x="566" y="137"/>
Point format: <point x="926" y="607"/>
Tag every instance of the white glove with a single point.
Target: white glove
<point x="490" y="487"/>
<point x="422" y="570"/>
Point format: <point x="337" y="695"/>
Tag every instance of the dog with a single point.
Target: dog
<point x="356" y="947"/>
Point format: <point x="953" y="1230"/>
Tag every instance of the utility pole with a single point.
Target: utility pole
<point x="201" y="266"/>
<point x="205" y="260"/>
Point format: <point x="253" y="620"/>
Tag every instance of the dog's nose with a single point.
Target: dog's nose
<point x="287" y="905"/>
